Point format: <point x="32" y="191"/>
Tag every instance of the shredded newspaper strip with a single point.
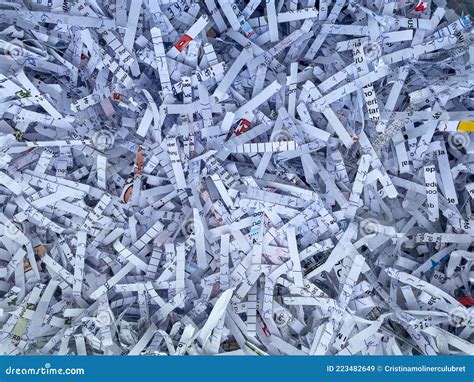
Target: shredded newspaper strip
<point x="236" y="177"/>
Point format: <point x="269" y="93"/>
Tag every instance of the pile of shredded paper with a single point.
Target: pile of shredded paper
<point x="236" y="177"/>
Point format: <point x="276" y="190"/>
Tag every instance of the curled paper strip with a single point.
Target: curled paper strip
<point x="239" y="177"/>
